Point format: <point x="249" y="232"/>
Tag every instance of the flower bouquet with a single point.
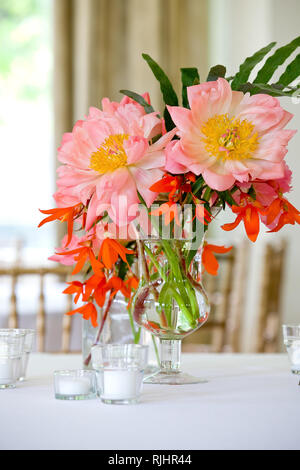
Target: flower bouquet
<point x="137" y="184"/>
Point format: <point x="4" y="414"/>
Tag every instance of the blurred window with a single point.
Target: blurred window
<point x="27" y="176"/>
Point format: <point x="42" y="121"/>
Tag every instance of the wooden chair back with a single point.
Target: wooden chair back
<point x="15" y="273"/>
<point x="226" y="293"/>
<point x="269" y="314"/>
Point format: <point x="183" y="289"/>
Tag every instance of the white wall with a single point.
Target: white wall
<point x="237" y="29"/>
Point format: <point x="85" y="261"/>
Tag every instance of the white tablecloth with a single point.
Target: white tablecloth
<point x="249" y="402"/>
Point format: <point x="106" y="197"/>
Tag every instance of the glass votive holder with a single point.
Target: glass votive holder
<point x="291" y="338"/>
<point x="28" y="346"/>
<point x="11" y="352"/>
<point x="75" y="384"/>
<point x="120" y="370"/>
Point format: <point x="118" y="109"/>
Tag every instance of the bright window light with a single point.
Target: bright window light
<point x="26" y="120"/>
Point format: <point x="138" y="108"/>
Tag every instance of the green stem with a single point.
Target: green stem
<point x="136" y="334"/>
<point x="185" y="296"/>
<point x="181" y="305"/>
<point x="154" y="261"/>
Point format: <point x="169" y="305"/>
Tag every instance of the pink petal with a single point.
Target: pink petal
<point x="111" y="182"/>
<point x="218" y="182"/>
<point x="217" y="94"/>
<point x="124" y="203"/>
<point x="151" y="125"/>
<point x="152" y="160"/>
<point x="163" y="141"/>
<point x="135" y="148"/>
<point x="144" y="180"/>
<point x="182" y="118"/>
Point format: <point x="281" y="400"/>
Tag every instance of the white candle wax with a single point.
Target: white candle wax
<point x="296" y="356"/>
<point x="73" y="385"/>
<point x="296" y="359"/>
<point x="121" y="384"/>
<point x="7" y="368"/>
<point x="293" y="349"/>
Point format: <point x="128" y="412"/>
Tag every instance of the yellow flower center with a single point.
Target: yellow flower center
<point x="227" y="138"/>
<point x="110" y="155"/>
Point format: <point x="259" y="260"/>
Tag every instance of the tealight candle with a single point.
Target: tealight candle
<point x="291" y="334"/>
<point x="6" y="370"/>
<point x="28" y="346"/>
<point x="295" y="356"/>
<point x="11" y="350"/>
<point x="121" y="384"/>
<point x="120" y="369"/>
<point x="74" y="384"/>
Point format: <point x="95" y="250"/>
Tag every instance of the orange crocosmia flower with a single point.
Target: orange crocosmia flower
<point x="100" y="294"/>
<point x="110" y="251"/>
<point x="83" y="254"/>
<point x="132" y="283"/>
<point x="88" y="311"/>
<point x="249" y="213"/>
<point x="168" y="184"/>
<point x="63" y="214"/>
<point x="209" y="261"/>
<point x="288" y="213"/>
<point x="169" y="210"/>
<point x="116" y="284"/>
<point x="76" y="288"/>
<point x="190" y="177"/>
<point x="92" y="284"/>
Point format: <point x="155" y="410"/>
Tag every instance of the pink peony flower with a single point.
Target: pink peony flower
<point x="265" y="193"/>
<point x="228" y="136"/>
<point x="109" y="157"/>
<point x="284" y="184"/>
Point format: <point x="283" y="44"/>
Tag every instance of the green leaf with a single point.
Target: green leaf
<point x="207" y="194"/>
<point x="189" y="77"/>
<point x="166" y="87"/>
<point x="168" y="120"/>
<point x="246" y="87"/>
<point x="272" y="90"/>
<point x="229" y="199"/>
<point x="277" y="59"/>
<point x="291" y="72"/>
<point x="216" y="72"/>
<point x="249" y="64"/>
<point x="139" y="99"/>
<point x="252" y="193"/>
<point x="226" y="197"/>
<point x="222" y="199"/>
<point x="197" y="185"/>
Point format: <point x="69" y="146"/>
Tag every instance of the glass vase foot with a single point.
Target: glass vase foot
<point x="151" y="370"/>
<point x="173" y="378"/>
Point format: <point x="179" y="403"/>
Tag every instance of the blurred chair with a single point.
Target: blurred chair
<point x="14" y="274"/>
<point x="11" y="252"/>
<point x="269" y="314"/>
<point x="226" y="293"/>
